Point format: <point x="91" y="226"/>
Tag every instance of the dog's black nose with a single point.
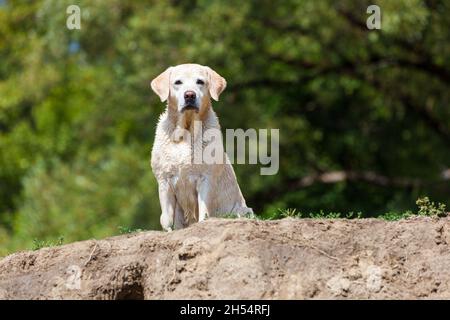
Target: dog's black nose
<point x="189" y="95"/>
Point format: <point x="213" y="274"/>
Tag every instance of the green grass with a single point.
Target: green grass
<point x="394" y="216"/>
<point x="39" y="244"/>
<point x="425" y="208"/>
<point x="126" y="230"/>
<point x="430" y="209"/>
<point x="293" y="213"/>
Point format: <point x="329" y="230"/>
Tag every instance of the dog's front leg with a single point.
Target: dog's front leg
<point x="179" y="222"/>
<point x="203" y="191"/>
<point x="168" y="202"/>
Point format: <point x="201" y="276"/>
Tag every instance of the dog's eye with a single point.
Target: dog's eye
<point x="201" y="82"/>
<point x="178" y="82"/>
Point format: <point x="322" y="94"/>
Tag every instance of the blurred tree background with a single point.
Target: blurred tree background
<point x="363" y="114"/>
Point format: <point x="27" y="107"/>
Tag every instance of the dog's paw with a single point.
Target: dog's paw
<point x="245" y="212"/>
<point x="249" y="215"/>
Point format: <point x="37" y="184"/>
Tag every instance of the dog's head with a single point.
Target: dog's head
<point x="189" y="87"/>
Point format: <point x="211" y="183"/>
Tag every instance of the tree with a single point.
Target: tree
<point x="363" y="114"/>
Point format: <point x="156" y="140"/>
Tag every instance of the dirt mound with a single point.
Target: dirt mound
<point x="244" y="259"/>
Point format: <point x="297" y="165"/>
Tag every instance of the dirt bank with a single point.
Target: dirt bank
<point x="244" y="259"/>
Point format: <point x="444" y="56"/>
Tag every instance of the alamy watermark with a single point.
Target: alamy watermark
<point x="73" y="281"/>
<point x="374" y="20"/>
<point x="74" y="19"/>
<point x="208" y="147"/>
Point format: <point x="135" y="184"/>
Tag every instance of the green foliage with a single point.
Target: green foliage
<point x="322" y="215"/>
<point x="90" y="198"/>
<point x="294" y="213"/>
<point x="429" y="208"/>
<point x="394" y="216"/>
<point x="426" y="208"/>
<point x="39" y="244"/>
<point x="288" y="213"/>
<point x="77" y="125"/>
<point x="126" y="230"/>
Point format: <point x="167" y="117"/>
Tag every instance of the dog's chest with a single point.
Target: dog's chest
<point x="182" y="174"/>
<point x="175" y="163"/>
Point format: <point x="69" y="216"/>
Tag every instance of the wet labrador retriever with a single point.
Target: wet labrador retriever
<point x="191" y="190"/>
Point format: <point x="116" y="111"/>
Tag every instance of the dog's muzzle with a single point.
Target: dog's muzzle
<point x="190" y="107"/>
<point x="190" y="101"/>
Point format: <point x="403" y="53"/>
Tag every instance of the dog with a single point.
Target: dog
<point x="190" y="192"/>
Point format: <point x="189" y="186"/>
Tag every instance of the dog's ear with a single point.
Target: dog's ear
<point x="161" y="84"/>
<point x="216" y="84"/>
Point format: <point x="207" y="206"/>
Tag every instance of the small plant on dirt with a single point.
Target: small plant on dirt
<point x="39" y="244"/>
<point x="354" y="215"/>
<point x="426" y="208"/>
<point x="429" y="208"/>
<point x="394" y="216"/>
<point x="289" y="213"/>
<point x="335" y="215"/>
<point x="250" y="215"/>
<point x="126" y="230"/>
<point x="293" y="213"/>
<point x="325" y="215"/>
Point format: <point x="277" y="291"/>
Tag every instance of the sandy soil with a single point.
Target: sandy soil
<point x="244" y="259"/>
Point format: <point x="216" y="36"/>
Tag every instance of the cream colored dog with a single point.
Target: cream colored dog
<point x="191" y="191"/>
